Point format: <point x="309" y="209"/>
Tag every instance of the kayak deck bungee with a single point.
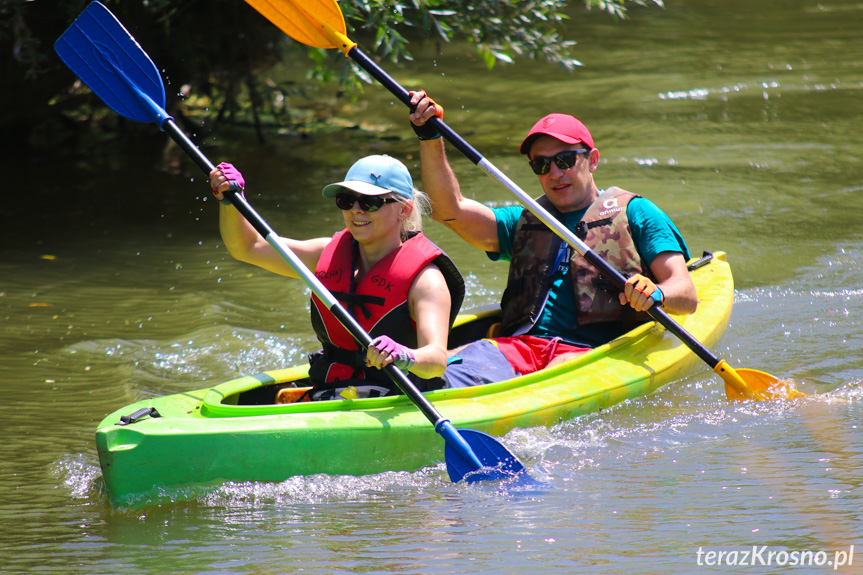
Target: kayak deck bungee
<point x="235" y="432"/>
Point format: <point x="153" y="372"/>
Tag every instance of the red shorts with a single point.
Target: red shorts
<point x="528" y="353"/>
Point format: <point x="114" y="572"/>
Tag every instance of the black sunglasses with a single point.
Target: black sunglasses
<point x="564" y="160"/>
<point x="367" y="203"/>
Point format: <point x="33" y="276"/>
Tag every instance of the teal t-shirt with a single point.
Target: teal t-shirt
<point x="653" y="233"/>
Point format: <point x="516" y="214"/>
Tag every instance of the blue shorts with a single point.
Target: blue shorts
<point x="479" y="363"/>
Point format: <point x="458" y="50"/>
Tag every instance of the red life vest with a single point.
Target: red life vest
<point x="379" y="302"/>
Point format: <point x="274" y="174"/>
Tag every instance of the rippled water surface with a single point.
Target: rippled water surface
<point x="741" y="119"/>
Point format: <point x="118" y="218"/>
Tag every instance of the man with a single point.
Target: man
<point x="555" y="303"/>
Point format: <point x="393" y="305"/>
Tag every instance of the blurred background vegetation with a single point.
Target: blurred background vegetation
<point x="217" y="58"/>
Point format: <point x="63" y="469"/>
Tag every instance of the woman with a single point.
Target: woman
<point x="402" y="289"/>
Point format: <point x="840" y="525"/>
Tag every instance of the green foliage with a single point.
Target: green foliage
<point x="501" y="30"/>
<point x="618" y="9"/>
<point x="217" y="54"/>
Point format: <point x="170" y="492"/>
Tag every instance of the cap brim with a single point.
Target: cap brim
<point x="528" y="142"/>
<point x="363" y="188"/>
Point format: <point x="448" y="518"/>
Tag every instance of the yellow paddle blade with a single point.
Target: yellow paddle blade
<point x="753" y="384"/>
<point x="316" y="23"/>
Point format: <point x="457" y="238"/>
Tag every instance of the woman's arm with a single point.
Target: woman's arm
<point x="429" y="302"/>
<point x="246" y="244"/>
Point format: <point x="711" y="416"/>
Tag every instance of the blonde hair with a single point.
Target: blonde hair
<point x="414" y="221"/>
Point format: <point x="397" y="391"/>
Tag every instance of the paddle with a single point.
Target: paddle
<point x="108" y="59"/>
<point x="320" y="23"/>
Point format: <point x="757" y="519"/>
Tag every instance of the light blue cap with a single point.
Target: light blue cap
<point x="375" y="176"/>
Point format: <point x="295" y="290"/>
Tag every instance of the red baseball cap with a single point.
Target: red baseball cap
<point x="559" y="126"/>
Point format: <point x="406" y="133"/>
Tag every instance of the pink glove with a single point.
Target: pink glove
<point x="235" y="180"/>
<point x="402" y="356"/>
<point x="232" y="173"/>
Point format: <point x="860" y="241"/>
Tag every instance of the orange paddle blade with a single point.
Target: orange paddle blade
<point x="753" y="384"/>
<point x="316" y="23"/>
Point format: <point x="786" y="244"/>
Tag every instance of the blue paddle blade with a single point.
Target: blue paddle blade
<point x="108" y="59"/>
<point x="497" y="461"/>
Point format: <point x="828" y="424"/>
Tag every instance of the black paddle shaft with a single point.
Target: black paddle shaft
<point x="248" y="212"/>
<point x="399" y="92"/>
<point x="656" y="312"/>
<point x="261" y="226"/>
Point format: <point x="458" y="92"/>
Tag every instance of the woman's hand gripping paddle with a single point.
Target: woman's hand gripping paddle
<point x="108" y="59"/>
<point x="320" y="23"/>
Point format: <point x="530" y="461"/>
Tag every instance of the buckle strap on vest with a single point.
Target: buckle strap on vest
<point x="351" y="357"/>
<point x="359" y="301"/>
<point x="581" y="228"/>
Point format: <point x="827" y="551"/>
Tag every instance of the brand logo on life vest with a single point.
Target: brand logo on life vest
<point x="327" y="274"/>
<point x="382" y="282"/>
<point x="610" y="206"/>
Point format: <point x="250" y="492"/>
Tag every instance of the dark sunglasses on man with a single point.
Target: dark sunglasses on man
<point x="564" y="160"/>
<point x="346" y="201"/>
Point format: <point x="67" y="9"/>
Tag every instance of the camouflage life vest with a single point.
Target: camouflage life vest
<point x="605" y="229"/>
<point x="379" y="302"/>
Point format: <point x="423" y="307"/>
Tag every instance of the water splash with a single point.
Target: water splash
<point x="79" y="475"/>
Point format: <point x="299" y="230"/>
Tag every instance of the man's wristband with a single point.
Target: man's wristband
<point x="425" y="132"/>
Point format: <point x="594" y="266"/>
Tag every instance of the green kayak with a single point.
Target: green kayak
<point x="236" y="432"/>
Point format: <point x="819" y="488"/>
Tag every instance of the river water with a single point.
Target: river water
<point x="743" y="120"/>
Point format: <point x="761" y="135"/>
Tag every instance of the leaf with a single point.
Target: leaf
<point x="443" y="30"/>
<point x="360" y="73"/>
<point x="502" y="57"/>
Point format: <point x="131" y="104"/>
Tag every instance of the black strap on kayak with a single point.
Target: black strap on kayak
<point x="138" y="415"/>
<point x="701" y="261"/>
